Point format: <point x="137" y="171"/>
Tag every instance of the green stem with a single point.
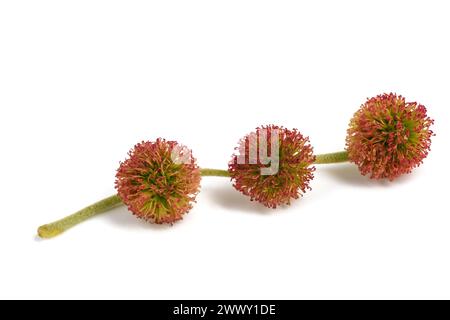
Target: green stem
<point x="55" y="228"/>
<point x="334" y="157"/>
<point x="214" y="173"/>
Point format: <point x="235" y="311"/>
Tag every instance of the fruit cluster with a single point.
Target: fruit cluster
<point x="159" y="181"/>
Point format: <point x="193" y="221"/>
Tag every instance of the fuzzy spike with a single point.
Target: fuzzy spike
<point x="388" y="136"/>
<point x="154" y="186"/>
<point x="291" y="180"/>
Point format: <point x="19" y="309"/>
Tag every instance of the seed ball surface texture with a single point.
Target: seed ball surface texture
<point x="159" y="181"/>
<point x="280" y="184"/>
<point x="388" y="137"/>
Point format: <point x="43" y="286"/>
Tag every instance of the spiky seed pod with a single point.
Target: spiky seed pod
<point x="289" y="180"/>
<point x="388" y="136"/>
<point x="159" y="181"/>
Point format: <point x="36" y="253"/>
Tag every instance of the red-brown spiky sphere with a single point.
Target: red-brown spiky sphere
<point x="294" y="156"/>
<point x="388" y="136"/>
<point x="159" y="181"/>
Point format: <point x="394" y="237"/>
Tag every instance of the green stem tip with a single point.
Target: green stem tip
<point x="55" y="228"/>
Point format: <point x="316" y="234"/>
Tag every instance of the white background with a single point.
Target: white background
<point x="82" y="81"/>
